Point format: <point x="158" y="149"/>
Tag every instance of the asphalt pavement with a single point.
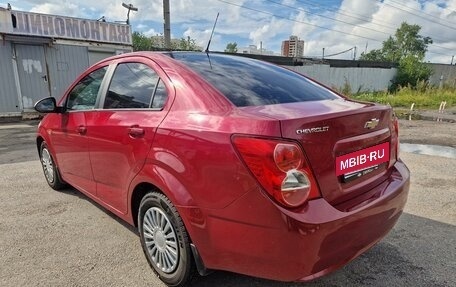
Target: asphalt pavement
<point x="50" y="238"/>
<point x="17" y="142"/>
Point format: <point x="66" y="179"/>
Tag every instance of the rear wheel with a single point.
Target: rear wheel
<point x="51" y="172"/>
<point x="164" y="240"/>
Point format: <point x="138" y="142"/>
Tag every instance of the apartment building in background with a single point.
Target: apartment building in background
<point x="293" y="47"/>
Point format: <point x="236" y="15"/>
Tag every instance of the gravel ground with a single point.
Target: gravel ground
<point x="50" y="238"/>
<point x="428" y="132"/>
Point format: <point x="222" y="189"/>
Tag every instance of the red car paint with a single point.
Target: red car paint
<point x="187" y="151"/>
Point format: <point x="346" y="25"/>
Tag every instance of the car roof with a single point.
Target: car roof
<point x="165" y="55"/>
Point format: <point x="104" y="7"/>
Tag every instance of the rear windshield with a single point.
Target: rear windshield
<point x="248" y="82"/>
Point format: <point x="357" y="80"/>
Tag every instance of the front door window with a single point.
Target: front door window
<point x="84" y="95"/>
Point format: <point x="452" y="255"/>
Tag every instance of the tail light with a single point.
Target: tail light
<point x="280" y="168"/>
<point x="394" y="140"/>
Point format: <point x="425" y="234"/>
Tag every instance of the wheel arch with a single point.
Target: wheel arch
<point x="159" y="178"/>
<point x="141" y="190"/>
<point x="39" y="141"/>
<point x="137" y="195"/>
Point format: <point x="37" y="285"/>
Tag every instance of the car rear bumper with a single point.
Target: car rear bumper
<point x="264" y="240"/>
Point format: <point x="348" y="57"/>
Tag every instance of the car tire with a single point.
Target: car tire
<point x="51" y="172"/>
<point x="164" y="240"/>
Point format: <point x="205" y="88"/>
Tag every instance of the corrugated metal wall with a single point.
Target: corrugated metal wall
<point x="96" y="56"/>
<point x="9" y="102"/>
<point x="65" y="63"/>
<point x="59" y="66"/>
<point x="32" y="72"/>
<point x="371" y="79"/>
<point x="359" y="79"/>
<point x="443" y="73"/>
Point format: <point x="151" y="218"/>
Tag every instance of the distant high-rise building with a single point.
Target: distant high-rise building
<point x="293" y="47"/>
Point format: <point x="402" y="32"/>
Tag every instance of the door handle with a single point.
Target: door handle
<point x="45" y="78"/>
<point x="135" y="131"/>
<point x="82" y="130"/>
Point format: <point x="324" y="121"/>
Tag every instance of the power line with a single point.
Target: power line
<point x="364" y="18"/>
<point x="437" y="53"/>
<point x="297" y="21"/>
<point x="409" y="12"/>
<point x="318" y="26"/>
<point x="372" y="21"/>
<point x="335" y="54"/>
<point x="441" y="47"/>
<point x="358" y="16"/>
<point x="327" y="17"/>
<point x="422" y="12"/>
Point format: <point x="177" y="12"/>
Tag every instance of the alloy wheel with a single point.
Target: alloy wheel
<point x="160" y="240"/>
<point x="48" y="165"/>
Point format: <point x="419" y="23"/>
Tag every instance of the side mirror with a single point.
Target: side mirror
<point x="47" y="105"/>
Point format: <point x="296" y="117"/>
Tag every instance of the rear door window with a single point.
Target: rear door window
<point x="160" y="96"/>
<point x="133" y="86"/>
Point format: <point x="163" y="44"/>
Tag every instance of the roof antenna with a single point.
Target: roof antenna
<point x="212" y="34"/>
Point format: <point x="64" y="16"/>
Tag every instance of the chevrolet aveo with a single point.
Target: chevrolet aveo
<point x="227" y="163"/>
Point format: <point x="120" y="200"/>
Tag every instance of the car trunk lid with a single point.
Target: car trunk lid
<point x="332" y="133"/>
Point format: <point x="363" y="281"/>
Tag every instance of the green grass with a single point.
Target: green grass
<point x="429" y="98"/>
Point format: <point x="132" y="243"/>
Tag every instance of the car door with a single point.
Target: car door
<point x="69" y="136"/>
<point x="122" y="131"/>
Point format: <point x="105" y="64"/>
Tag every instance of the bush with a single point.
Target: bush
<point x="424" y="98"/>
<point x="412" y="73"/>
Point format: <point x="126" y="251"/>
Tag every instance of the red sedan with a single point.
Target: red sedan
<point x="227" y="163"/>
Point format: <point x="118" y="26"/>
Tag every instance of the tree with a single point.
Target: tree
<point x="408" y="49"/>
<point x="141" y="42"/>
<point x="405" y="42"/>
<point x="231" y="47"/>
<point x="373" y="55"/>
<point x="185" y="45"/>
<point x="411" y="71"/>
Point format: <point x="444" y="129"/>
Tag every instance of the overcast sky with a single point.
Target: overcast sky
<point x="333" y="25"/>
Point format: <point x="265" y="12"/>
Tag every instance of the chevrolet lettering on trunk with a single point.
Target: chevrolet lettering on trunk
<point x="312" y="130"/>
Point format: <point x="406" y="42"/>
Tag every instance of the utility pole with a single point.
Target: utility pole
<point x="167" y="24"/>
<point x="452" y="58"/>
<point x="323" y="56"/>
<point x="354" y="53"/>
<point x="130" y="7"/>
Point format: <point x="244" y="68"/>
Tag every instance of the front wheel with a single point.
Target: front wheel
<point x="51" y="172"/>
<point x="164" y="240"/>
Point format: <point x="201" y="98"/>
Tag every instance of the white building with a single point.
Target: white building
<point x="253" y="49"/>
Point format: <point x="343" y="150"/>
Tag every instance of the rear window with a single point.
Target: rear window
<point x="248" y="82"/>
